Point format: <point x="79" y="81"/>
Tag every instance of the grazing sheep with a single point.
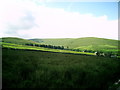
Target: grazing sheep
<point x="97" y="53"/>
<point x="102" y="54"/>
<point x="113" y="56"/>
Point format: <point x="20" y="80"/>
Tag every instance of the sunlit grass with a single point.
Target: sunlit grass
<point x="16" y="46"/>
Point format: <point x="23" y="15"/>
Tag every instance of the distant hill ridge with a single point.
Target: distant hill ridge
<point x="87" y="43"/>
<point x="77" y="42"/>
<point x="16" y="40"/>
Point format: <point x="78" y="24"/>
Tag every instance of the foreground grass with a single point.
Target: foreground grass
<point x="35" y="69"/>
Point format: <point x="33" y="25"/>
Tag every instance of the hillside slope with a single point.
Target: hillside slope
<point x="89" y="43"/>
<point x="16" y="40"/>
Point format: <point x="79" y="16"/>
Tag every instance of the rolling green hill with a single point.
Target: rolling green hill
<point x="77" y="42"/>
<point x="88" y="43"/>
<point x="18" y="43"/>
<point x="16" y="40"/>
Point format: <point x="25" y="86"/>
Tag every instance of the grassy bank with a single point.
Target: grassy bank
<point x="32" y="69"/>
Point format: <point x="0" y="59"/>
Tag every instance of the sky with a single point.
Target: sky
<point x="49" y="19"/>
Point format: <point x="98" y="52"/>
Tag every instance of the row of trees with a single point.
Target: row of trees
<point x="98" y="53"/>
<point x="46" y="46"/>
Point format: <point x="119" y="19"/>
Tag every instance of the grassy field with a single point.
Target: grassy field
<point x="36" y="69"/>
<point x="16" y="46"/>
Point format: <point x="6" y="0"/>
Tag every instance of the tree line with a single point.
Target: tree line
<point x="98" y="53"/>
<point x="46" y="46"/>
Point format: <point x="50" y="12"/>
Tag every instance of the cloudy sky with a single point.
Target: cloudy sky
<point x="47" y="19"/>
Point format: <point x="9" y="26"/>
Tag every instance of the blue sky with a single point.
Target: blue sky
<point x="96" y="8"/>
<point x="43" y="19"/>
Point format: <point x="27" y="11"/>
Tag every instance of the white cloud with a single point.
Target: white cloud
<point x="28" y="20"/>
